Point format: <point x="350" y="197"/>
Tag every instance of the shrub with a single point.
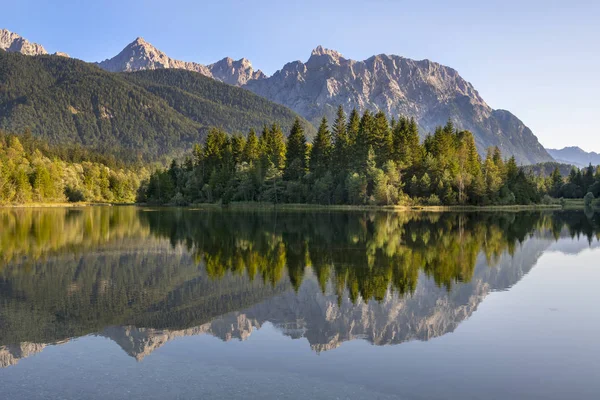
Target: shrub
<point x="547" y="200"/>
<point x="433" y="200"/>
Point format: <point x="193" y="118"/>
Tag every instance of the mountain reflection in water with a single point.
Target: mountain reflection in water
<point x="143" y="277"/>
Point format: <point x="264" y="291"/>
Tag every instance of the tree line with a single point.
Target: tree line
<point x="41" y="174"/>
<point x="360" y="159"/>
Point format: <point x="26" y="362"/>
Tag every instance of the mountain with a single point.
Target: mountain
<point x="12" y="42"/>
<point x="140" y="55"/>
<point x="547" y="168"/>
<point x="213" y="103"/>
<point x="576" y="156"/>
<point x="429" y="92"/>
<point x="145" y="115"/>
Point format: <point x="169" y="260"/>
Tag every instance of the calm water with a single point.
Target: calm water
<point x="126" y="303"/>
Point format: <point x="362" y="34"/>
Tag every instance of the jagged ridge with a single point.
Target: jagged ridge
<point x="140" y="55"/>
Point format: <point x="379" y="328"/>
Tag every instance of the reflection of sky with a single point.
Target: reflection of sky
<point x="538" y="339"/>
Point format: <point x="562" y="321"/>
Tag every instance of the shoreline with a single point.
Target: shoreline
<point x="570" y="205"/>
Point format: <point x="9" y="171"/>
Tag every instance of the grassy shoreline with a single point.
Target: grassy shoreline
<point x="576" y="204"/>
<point x="58" y="205"/>
<point x="320" y="207"/>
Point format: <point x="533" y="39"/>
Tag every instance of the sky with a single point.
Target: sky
<point x="539" y="59"/>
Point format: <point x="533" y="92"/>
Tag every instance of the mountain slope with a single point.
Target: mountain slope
<point x="214" y="103"/>
<point x="140" y="55"/>
<point x="68" y="101"/>
<point x="576" y="156"/>
<point x="427" y="91"/>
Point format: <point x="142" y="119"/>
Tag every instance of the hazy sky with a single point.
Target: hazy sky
<point x="539" y="59"/>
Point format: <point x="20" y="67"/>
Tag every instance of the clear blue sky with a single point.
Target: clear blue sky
<point x="539" y="59"/>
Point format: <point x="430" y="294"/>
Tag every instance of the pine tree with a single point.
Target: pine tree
<point x="341" y="142"/>
<point x="353" y="127"/>
<point x="381" y="138"/>
<point x="512" y="170"/>
<point x="320" y="155"/>
<point x="272" y="142"/>
<point x="238" y="143"/>
<point x="364" y="141"/>
<point x="251" y="151"/>
<point x="295" y="166"/>
<point x="556" y="182"/>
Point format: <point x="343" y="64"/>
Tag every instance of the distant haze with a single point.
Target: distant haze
<point x="539" y="59"/>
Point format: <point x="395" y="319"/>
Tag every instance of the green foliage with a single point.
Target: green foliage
<point x="296" y="153"/>
<point x="142" y="116"/>
<point x="27" y="175"/>
<point x="320" y="155"/>
<point x="366" y="161"/>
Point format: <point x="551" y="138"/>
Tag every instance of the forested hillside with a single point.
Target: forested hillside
<point x="213" y="103"/>
<point x="67" y="101"/>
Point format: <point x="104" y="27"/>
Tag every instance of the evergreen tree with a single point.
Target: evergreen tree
<point x="381" y="138"/>
<point x="341" y="142"/>
<point x="320" y="155"/>
<point x="251" y="152"/>
<point x="556" y="182"/>
<point x="353" y="127"/>
<point x="364" y="141"/>
<point x="295" y="156"/>
<point x="273" y="144"/>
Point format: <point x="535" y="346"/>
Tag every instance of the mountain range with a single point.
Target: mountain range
<point x="144" y="115"/>
<point x="575" y="156"/>
<point x="428" y="91"/>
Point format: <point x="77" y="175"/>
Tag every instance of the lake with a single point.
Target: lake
<point x="128" y="303"/>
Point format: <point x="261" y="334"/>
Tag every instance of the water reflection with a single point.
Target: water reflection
<point x="143" y="277"/>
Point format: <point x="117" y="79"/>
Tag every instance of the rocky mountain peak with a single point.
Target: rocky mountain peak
<point x="14" y="43"/>
<point x="235" y="72"/>
<point x="321" y="56"/>
<point x="321" y="51"/>
<point x="427" y="91"/>
<point x="141" y="55"/>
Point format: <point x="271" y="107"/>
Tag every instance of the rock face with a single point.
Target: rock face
<point x="141" y="55"/>
<point x="429" y="92"/>
<point x="235" y="72"/>
<point x="14" y="43"/>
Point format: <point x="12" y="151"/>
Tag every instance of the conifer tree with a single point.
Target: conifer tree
<point x="381" y="138"/>
<point x="238" y="143"/>
<point x="320" y="155"/>
<point x="251" y="151"/>
<point x="273" y="144"/>
<point x="556" y="182"/>
<point x="364" y="141"/>
<point x="353" y="127"/>
<point x="295" y="166"/>
<point x="341" y="142"/>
